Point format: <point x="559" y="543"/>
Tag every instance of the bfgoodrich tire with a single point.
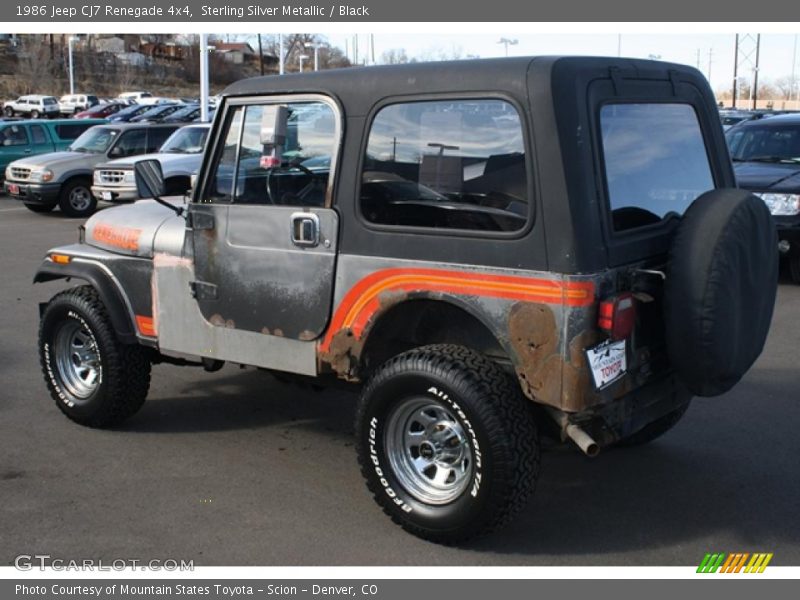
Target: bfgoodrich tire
<point x="94" y="379"/>
<point x="446" y="443"/>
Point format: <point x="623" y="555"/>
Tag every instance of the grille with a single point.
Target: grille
<point x="20" y="173"/>
<point x="111" y="176"/>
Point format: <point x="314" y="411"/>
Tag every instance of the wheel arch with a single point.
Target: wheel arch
<point x="422" y="321"/>
<point x="110" y="293"/>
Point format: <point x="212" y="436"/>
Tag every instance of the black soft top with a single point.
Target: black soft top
<point x="360" y="87"/>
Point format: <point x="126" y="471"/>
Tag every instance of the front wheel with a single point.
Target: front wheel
<point x="94" y="379"/>
<point x="446" y="444"/>
<point x="76" y="199"/>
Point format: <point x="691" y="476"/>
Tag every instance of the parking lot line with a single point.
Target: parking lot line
<point x="12" y="209"/>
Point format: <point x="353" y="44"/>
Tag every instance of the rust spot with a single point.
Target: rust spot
<point x="277" y="332"/>
<point x="265" y="330"/>
<point x="343" y="354"/>
<point x="306" y="335"/>
<point x="578" y="390"/>
<point x="217" y="320"/>
<point x="230" y="324"/>
<point x="534" y="337"/>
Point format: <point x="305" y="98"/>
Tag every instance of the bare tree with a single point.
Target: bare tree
<point x="394" y="56"/>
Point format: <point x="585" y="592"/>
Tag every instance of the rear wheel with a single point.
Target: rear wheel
<point x="94" y="379"/>
<point x="39" y="208"/>
<point x="76" y="199"/>
<point x="8" y="111"/>
<point x="446" y="444"/>
<point x="34" y="114"/>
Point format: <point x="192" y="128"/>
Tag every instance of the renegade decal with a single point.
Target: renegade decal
<point x="125" y="238"/>
<point x="362" y="301"/>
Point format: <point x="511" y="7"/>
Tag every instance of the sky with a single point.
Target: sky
<point x="778" y="54"/>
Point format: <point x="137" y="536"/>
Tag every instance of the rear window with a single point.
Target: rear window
<point x="446" y="164"/>
<point x="655" y="162"/>
<point x="71" y="131"/>
<point x="50" y="101"/>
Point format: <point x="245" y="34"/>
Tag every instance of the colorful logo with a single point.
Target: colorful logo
<point x="735" y="563"/>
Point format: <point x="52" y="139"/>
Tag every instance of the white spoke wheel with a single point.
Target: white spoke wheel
<point x="446" y="443"/>
<point x="94" y="378"/>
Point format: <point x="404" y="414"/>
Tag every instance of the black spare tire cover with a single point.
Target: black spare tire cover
<point x="720" y="289"/>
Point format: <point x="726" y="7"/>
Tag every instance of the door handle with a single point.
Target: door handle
<point x="28" y="151"/>
<point x="305" y="229"/>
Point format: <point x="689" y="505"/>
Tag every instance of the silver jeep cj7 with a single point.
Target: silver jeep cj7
<point x="486" y="248"/>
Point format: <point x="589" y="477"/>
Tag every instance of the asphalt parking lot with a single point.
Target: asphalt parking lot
<point x="236" y="468"/>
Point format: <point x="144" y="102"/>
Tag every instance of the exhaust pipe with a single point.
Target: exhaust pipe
<point x="583" y="440"/>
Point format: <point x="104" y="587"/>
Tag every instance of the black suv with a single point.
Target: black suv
<point x="485" y="249"/>
<point x="766" y="161"/>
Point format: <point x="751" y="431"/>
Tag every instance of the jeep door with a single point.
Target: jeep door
<point x="263" y="231"/>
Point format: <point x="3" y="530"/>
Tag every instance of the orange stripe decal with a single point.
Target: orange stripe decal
<point x="146" y="325"/>
<point x="362" y="301"/>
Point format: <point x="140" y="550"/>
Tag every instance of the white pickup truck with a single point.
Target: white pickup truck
<point x="180" y="157"/>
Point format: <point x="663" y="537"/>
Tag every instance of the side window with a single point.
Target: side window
<point x="296" y="173"/>
<point x="38" y="134"/>
<point x="655" y="162"/>
<point x="130" y="143"/>
<point x="220" y="187"/>
<point x="14" y="135"/>
<point x="454" y="164"/>
<point x="156" y="137"/>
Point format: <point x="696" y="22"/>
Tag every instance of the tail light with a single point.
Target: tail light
<point x="617" y="315"/>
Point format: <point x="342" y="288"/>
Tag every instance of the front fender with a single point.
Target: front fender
<point x="100" y="277"/>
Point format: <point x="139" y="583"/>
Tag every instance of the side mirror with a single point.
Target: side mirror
<point x="273" y="125"/>
<point x="149" y="179"/>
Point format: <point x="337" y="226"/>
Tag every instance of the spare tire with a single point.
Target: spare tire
<point x="720" y="289"/>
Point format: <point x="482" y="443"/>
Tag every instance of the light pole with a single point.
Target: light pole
<point x="281" y="57"/>
<point x="315" y="46"/>
<point x="70" y="41"/>
<point x="301" y="58"/>
<point x="507" y="42"/>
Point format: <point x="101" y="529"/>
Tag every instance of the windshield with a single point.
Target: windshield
<point x="95" y="140"/>
<point x="765" y="143"/>
<point x="189" y="140"/>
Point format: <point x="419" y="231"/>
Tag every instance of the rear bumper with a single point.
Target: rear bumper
<point x="33" y="193"/>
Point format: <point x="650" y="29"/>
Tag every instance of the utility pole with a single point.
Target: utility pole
<point x="698" y="59"/>
<point x="281" y="59"/>
<point x="372" y="46"/>
<point x="755" y="74"/>
<point x="710" y="56"/>
<point x="204" y="77"/>
<point x="260" y="55"/>
<point x="735" y="71"/>
<point x="508" y="42"/>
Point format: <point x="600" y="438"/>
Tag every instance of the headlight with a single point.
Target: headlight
<point x="44" y="175"/>
<point x="129" y="177"/>
<point x="782" y="204"/>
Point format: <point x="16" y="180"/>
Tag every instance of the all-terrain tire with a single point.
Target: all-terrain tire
<point x="93" y="378"/>
<point x="482" y="417"/>
<point x="655" y="429"/>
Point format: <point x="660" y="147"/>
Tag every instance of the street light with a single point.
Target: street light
<point x="70" y="41"/>
<point x="315" y="46"/>
<point x="301" y="58"/>
<point x="507" y="42"/>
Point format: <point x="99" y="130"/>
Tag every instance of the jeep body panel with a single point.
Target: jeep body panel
<point x="235" y="288"/>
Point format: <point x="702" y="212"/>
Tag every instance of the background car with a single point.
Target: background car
<point x="766" y="160"/>
<point x="19" y="139"/>
<point x="75" y="103"/>
<point x="185" y="114"/>
<point x="156" y="114"/>
<point x="101" y="111"/>
<point x="64" y="179"/>
<point x="128" y="112"/>
<point x="33" y="106"/>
